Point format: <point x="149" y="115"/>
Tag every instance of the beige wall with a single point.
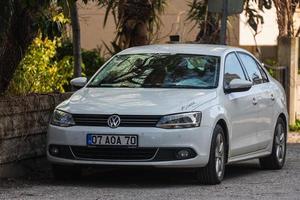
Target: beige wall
<point x="267" y="32"/>
<point x="297" y="20"/>
<point x="93" y="34"/>
<point x="233" y="27"/>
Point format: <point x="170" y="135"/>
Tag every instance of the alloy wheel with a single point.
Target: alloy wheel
<point x="219" y="156"/>
<point x="280" y="143"/>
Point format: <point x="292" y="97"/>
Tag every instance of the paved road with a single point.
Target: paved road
<point x="242" y="181"/>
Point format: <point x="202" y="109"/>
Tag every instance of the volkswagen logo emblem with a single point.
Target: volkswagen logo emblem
<point x="113" y="121"/>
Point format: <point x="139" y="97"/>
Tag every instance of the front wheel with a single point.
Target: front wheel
<point x="213" y="172"/>
<point x="277" y="158"/>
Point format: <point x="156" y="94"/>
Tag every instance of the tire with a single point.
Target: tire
<point x="213" y="172"/>
<point x="61" y="172"/>
<point x="276" y="159"/>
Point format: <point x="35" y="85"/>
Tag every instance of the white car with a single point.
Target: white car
<point x="176" y="105"/>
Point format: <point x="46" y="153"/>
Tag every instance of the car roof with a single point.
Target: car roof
<point x="201" y="49"/>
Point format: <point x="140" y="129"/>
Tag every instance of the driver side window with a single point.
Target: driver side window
<point x="233" y="69"/>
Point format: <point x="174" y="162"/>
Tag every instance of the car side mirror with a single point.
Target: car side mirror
<point x="78" y="82"/>
<point x="238" y="85"/>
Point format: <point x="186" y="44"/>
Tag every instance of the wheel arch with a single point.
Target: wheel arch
<point x="282" y="116"/>
<point x="224" y="126"/>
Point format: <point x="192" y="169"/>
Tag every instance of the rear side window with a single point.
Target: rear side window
<point x="233" y="69"/>
<point x="252" y="69"/>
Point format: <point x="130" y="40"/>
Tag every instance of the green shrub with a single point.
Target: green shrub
<point x="92" y="62"/>
<point x="91" y="59"/>
<point x="48" y="65"/>
<point x="272" y="63"/>
<point x="39" y="72"/>
<point x="296" y="126"/>
<point x="65" y="49"/>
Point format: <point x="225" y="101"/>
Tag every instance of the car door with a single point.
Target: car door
<point x="241" y="109"/>
<point x="265" y="99"/>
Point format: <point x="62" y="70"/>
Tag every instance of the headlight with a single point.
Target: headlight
<point x="182" y="120"/>
<point x="60" y="118"/>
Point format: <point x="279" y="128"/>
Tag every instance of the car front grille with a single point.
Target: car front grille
<point x="126" y="120"/>
<point x="106" y="153"/>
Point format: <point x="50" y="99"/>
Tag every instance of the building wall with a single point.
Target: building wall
<point x="93" y="34"/>
<point x="267" y="32"/>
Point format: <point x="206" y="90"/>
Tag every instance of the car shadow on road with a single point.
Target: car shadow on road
<point x="152" y="177"/>
<point x="239" y="170"/>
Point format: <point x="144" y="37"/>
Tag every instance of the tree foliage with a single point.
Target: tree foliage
<point x="40" y="71"/>
<point x="50" y="76"/>
<point x="209" y="23"/>
<point x="22" y="20"/>
<point x="252" y="13"/>
<point x="136" y="21"/>
<point x="20" y="23"/>
<point x="16" y="34"/>
<point x="91" y="59"/>
<point x="285" y="10"/>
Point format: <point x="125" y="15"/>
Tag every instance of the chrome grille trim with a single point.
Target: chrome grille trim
<point x="126" y="120"/>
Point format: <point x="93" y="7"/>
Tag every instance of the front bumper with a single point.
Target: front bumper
<point x="198" y="140"/>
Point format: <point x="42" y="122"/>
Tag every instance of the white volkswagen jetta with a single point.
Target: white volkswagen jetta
<point x="184" y="105"/>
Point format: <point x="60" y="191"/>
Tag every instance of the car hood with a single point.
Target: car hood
<point x="136" y="101"/>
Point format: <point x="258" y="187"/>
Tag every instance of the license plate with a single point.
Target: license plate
<point x="112" y="140"/>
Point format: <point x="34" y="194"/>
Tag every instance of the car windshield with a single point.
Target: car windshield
<point x="159" y="71"/>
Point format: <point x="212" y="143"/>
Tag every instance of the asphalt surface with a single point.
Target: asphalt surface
<point x="242" y="181"/>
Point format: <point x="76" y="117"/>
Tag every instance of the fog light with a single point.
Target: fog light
<point x="54" y="150"/>
<point x="183" y="154"/>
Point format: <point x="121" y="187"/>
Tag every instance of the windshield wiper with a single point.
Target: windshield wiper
<point x="188" y="86"/>
<point x="152" y="85"/>
<point x="110" y="85"/>
<point x="159" y="85"/>
<point x="92" y="86"/>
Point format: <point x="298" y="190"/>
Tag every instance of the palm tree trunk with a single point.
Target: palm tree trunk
<point x="285" y="13"/>
<point x="133" y="17"/>
<point x="139" y="35"/>
<point x="76" y="40"/>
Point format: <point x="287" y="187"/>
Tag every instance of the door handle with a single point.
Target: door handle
<point x="272" y="97"/>
<point x="254" y="101"/>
